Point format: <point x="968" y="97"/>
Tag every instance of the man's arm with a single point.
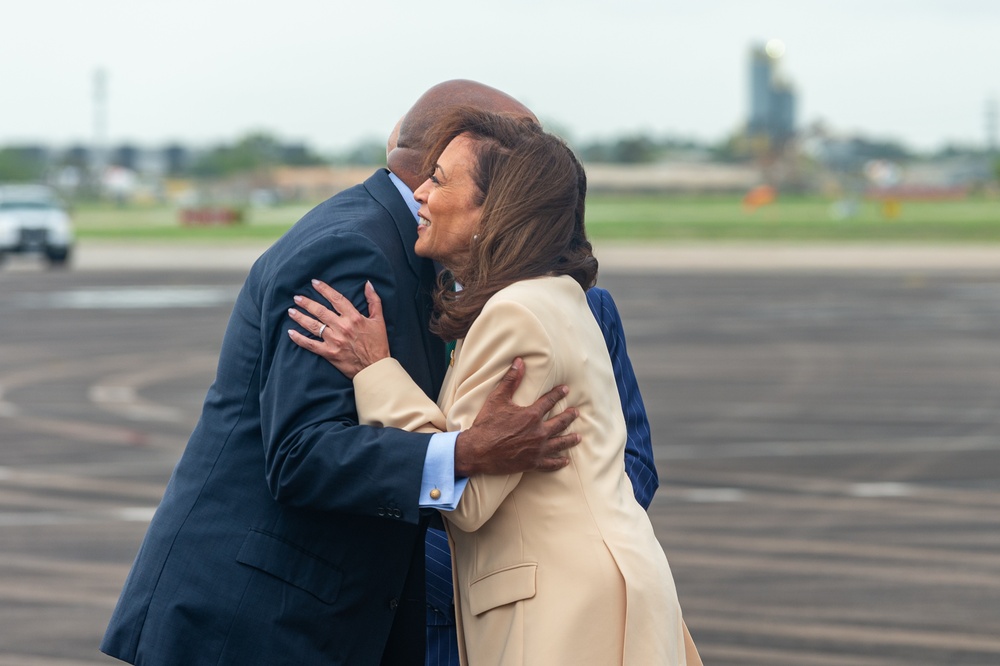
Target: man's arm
<point x="315" y="453"/>
<point x="639" y="462"/>
<point x="505" y="437"/>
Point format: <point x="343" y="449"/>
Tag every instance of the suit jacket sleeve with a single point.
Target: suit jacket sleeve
<point x="316" y="454"/>
<point x="639" y="462"/>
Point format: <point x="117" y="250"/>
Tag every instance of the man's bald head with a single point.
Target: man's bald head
<point x="390" y="145"/>
<point x="412" y="140"/>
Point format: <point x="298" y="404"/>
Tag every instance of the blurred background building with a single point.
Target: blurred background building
<point x="771" y="120"/>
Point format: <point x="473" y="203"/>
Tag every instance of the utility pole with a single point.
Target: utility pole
<point x="100" y="159"/>
<point x="991" y="125"/>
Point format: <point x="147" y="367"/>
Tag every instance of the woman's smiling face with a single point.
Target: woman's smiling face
<point x="449" y="215"/>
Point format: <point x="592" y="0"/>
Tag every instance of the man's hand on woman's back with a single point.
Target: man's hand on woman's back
<point x="506" y="438"/>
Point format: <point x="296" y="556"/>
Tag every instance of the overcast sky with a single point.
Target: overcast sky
<point x="331" y="72"/>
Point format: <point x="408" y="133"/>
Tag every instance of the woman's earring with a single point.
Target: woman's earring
<point x="475" y="237"/>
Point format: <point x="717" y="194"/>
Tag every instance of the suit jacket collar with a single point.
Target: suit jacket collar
<point x="383" y="191"/>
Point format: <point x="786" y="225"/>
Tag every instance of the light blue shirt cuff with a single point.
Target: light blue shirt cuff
<point x="439" y="474"/>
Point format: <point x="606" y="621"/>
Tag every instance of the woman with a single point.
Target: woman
<point x="553" y="568"/>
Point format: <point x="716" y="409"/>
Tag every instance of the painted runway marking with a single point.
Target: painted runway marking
<point x="828" y="448"/>
<point x="130" y="298"/>
<point x="135" y="514"/>
<point x="712" y="495"/>
<point x="142" y="514"/>
<point x="884" y="489"/>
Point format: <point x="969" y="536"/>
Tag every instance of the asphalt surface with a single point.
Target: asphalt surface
<point x="827" y="433"/>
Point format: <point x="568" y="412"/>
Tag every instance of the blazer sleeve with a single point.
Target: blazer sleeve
<point x="315" y="453"/>
<point x="639" y="461"/>
<point x="387" y="397"/>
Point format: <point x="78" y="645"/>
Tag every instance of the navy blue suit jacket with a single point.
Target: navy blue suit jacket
<point x="442" y="645"/>
<point x="288" y="534"/>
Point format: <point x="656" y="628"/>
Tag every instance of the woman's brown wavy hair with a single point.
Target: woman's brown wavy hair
<point x="532" y="190"/>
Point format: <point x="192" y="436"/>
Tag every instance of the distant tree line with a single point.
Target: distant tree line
<point x="253" y="152"/>
<point x="21" y="166"/>
<point x="636" y="149"/>
<point x="261" y="150"/>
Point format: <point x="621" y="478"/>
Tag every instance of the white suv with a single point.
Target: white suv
<point x="32" y="220"/>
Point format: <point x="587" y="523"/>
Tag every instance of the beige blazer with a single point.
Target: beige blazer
<point x="556" y="568"/>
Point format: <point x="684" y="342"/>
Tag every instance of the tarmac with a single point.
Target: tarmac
<point x="824" y="422"/>
<point x="615" y="256"/>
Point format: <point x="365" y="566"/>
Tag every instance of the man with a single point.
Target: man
<point x="288" y="534"/>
